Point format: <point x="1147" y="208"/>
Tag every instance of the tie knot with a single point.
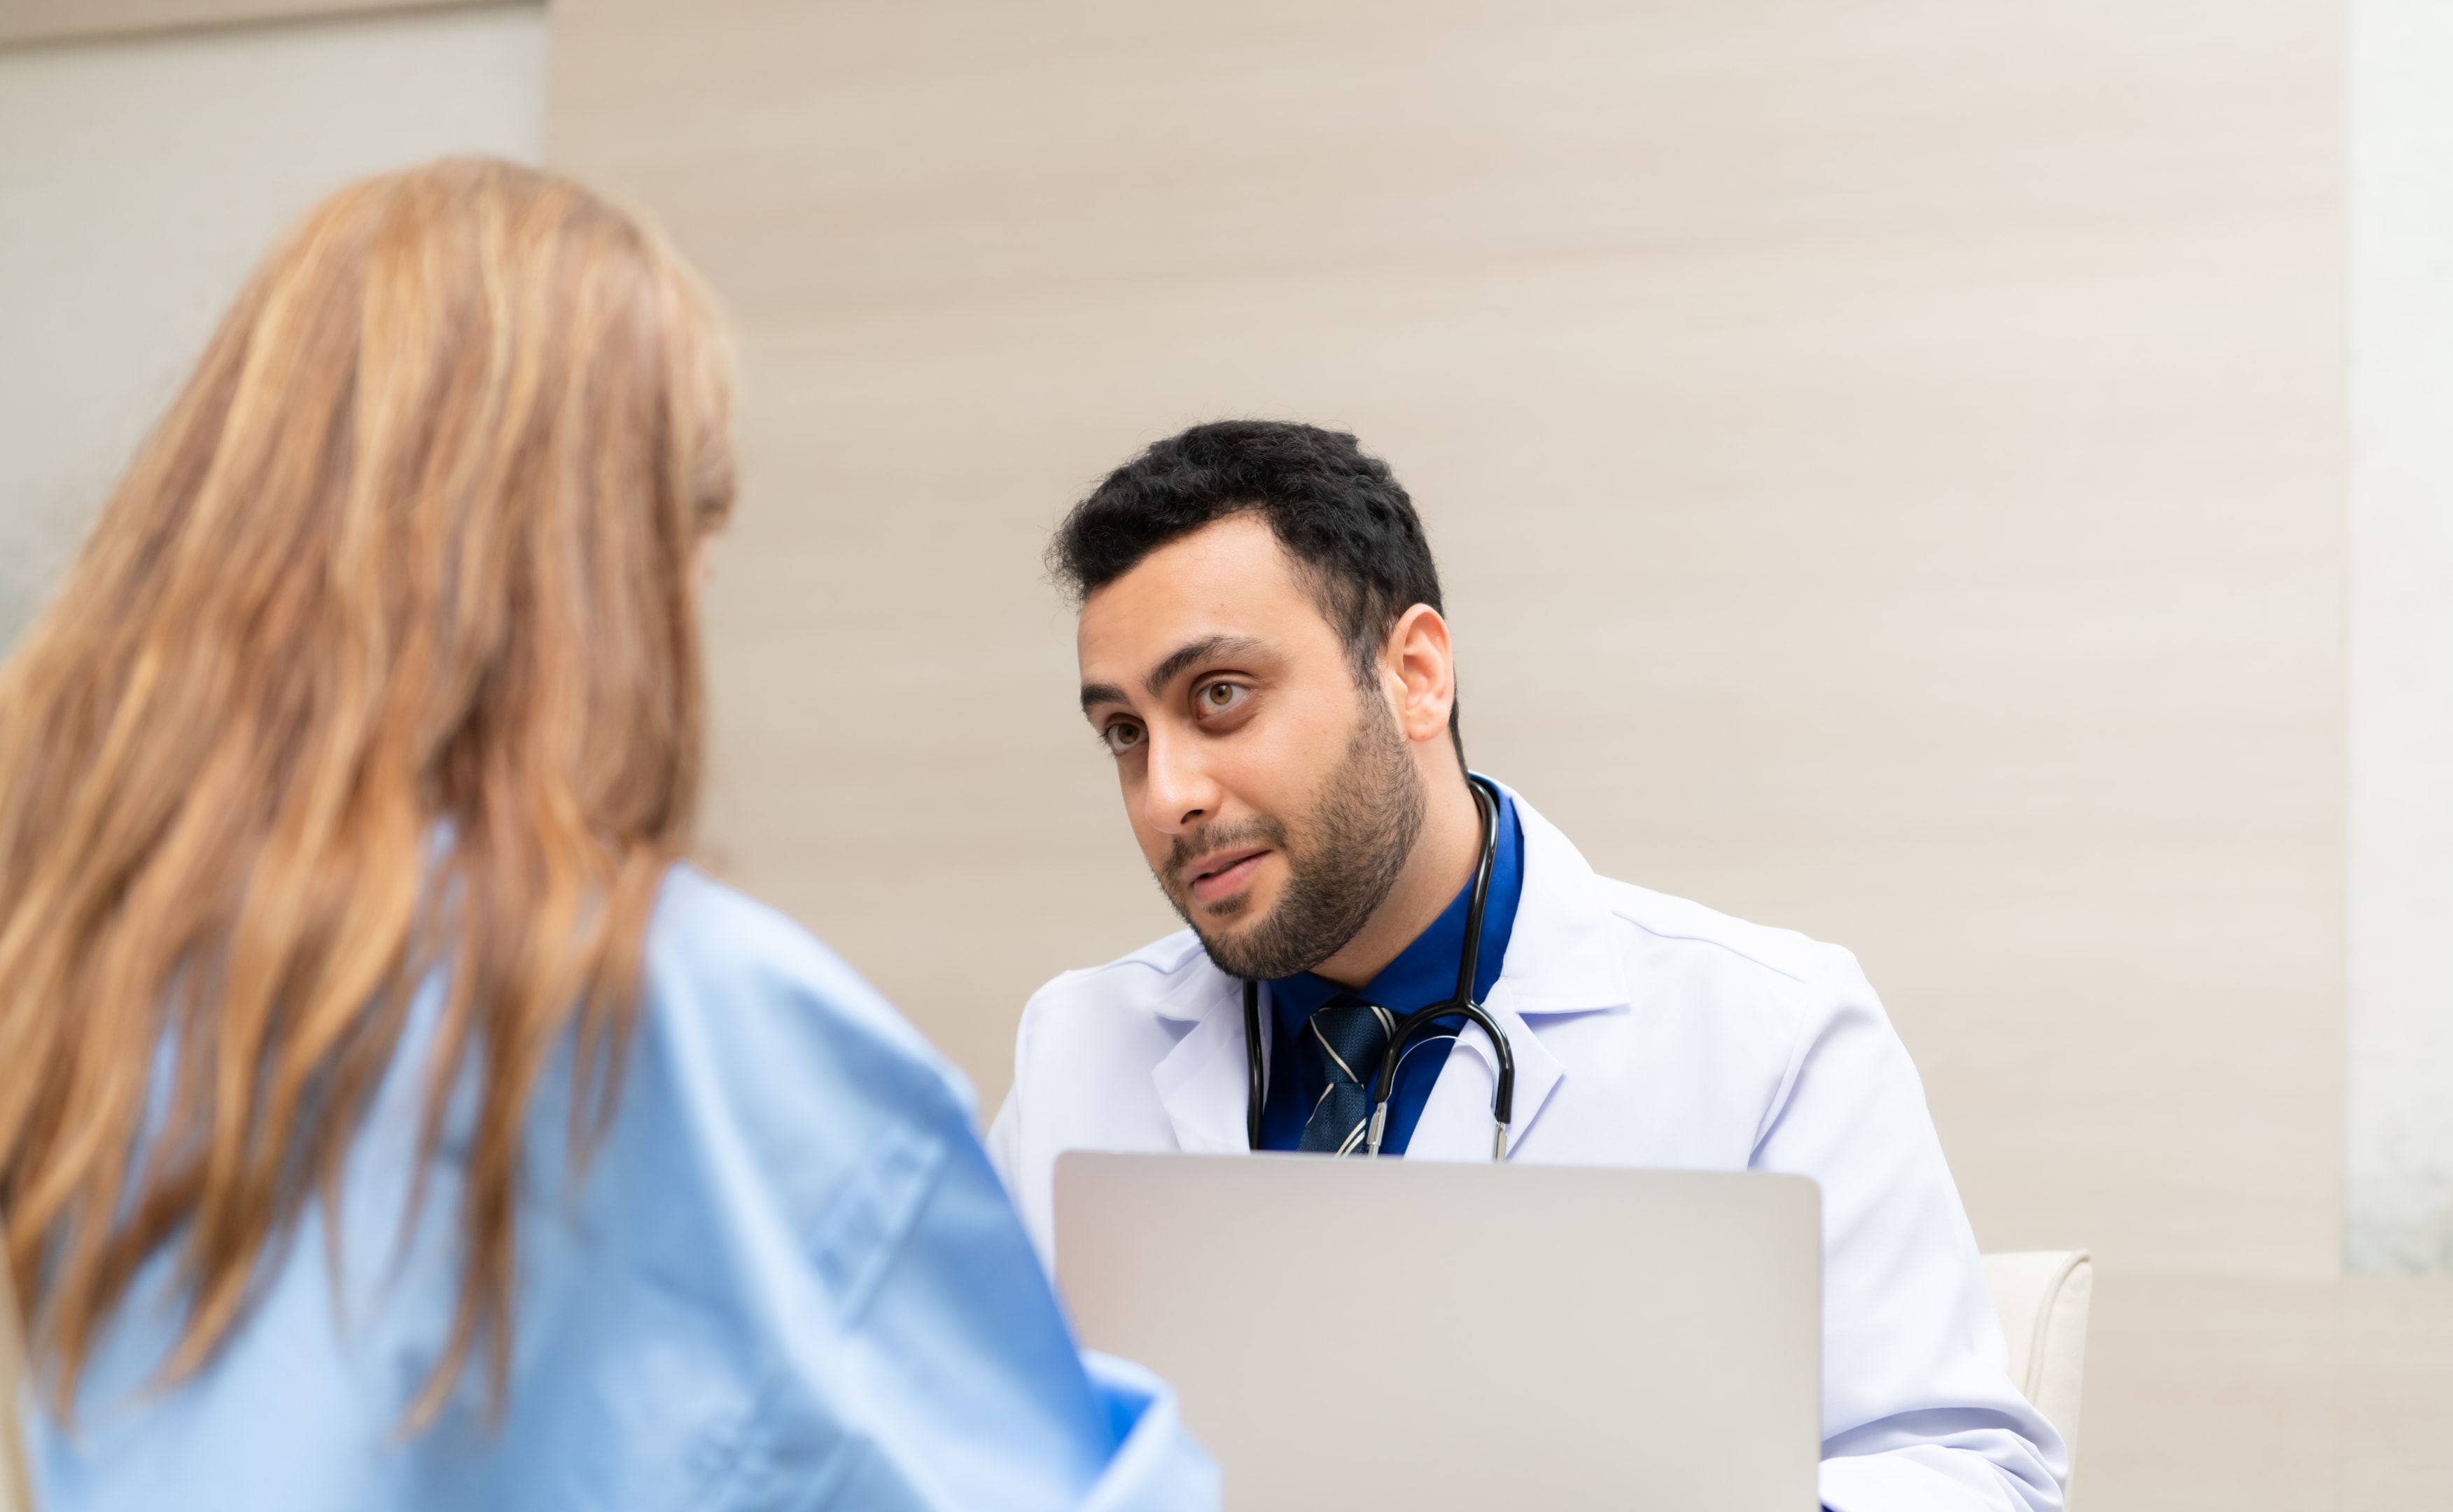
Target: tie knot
<point x="1351" y="1035"/>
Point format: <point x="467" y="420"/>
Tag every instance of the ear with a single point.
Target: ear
<point x="1420" y="673"/>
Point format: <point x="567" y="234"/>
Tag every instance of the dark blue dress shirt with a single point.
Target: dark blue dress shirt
<point x="1424" y="973"/>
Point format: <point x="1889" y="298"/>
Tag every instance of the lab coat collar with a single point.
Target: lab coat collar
<point x="1201" y="1082"/>
<point x="1563" y="954"/>
<point x="1561" y="959"/>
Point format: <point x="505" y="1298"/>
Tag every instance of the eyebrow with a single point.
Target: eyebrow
<point x="1170" y="667"/>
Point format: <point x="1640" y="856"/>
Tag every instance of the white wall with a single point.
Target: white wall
<point x="139" y="179"/>
<point x="2400" y="1193"/>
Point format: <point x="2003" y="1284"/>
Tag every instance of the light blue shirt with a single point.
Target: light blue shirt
<point x="788" y="1279"/>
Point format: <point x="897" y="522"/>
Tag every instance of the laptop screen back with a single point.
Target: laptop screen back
<point x="1350" y="1334"/>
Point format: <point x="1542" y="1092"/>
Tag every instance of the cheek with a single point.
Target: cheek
<point x="1154" y="844"/>
<point x="1155" y="847"/>
<point x="1279" y="768"/>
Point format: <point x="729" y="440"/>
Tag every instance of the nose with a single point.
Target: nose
<point x="1180" y="795"/>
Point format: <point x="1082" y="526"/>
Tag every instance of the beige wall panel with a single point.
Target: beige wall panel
<point x="1887" y="462"/>
<point x="2397" y="1377"/>
<point x="55" y="20"/>
<point x="2204" y="1395"/>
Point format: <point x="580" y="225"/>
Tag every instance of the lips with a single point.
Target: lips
<point x="1216" y="878"/>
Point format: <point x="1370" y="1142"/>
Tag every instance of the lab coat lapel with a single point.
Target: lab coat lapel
<point x="1201" y="1082"/>
<point x="1455" y="1125"/>
<point x="1561" y="959"/>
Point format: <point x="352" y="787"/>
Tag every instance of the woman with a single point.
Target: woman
<point x="387" y="1117"/>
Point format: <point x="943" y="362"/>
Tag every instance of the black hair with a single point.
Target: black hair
<point x="1339" y="512"/>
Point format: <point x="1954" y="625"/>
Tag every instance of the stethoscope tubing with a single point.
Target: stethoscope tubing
<point x="1419" y="1024"/>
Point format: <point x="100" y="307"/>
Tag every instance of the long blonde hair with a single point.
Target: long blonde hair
<point x="381" y="660"/>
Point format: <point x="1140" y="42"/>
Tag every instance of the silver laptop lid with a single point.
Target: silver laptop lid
<point x="1368" y="1334"/>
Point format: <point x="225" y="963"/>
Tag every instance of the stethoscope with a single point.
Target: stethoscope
<point x="1419" y="1024"/>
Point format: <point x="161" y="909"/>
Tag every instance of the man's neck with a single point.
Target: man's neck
<point x="1442" y="862"/>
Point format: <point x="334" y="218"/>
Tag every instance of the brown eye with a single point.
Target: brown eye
<point x="1221" y="698"/>
<point x="1122" y="736"/>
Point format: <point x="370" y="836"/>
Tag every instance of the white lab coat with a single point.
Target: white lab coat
<point x="1648" y="1031"/>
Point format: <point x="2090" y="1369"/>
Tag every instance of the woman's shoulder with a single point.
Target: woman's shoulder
<point x="730" y="977"/>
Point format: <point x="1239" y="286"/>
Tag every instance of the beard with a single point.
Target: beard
<point x="1343" y="858"/>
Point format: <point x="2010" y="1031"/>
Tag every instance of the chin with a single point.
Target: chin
<point x="1223" y="924"/>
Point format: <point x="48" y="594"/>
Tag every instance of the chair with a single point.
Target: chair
<point x="2042" y="1297"/>
<point x="15" y="1497"/>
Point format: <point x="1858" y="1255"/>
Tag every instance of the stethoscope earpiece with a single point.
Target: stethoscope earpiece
<point x="1419" y="1024"/>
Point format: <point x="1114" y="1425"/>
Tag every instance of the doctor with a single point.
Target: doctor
<point x="1263" y="656"/>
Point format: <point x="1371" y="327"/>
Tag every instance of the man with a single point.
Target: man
<point x="1262" y="652"/>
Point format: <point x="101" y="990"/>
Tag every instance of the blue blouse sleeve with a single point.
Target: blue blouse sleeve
<point x="797" y="1171"/>
<point x="785" y="1277"/>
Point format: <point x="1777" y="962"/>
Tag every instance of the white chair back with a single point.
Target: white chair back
<point x="2042" y="1297"/>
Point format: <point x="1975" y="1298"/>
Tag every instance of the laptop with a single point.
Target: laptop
<point x="1348" y="1334"/>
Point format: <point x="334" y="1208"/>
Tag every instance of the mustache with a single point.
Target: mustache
<point x="1258" y="831"/>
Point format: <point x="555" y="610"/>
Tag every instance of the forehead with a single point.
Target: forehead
<point x="1227" y="579"/>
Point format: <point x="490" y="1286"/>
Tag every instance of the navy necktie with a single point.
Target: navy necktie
<point x="1344" y="1042"/>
